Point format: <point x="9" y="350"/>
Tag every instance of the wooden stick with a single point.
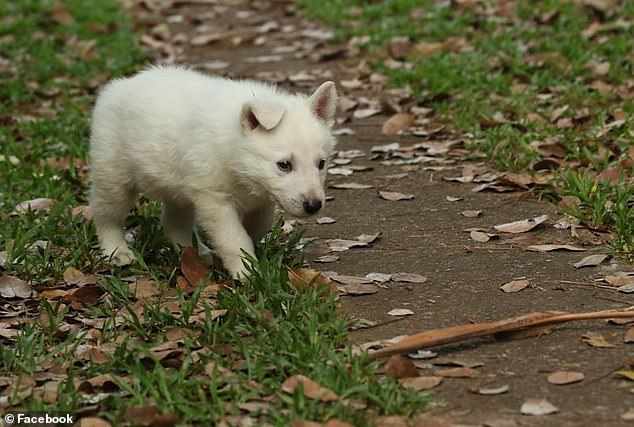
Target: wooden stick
<point x="458" y="333"/>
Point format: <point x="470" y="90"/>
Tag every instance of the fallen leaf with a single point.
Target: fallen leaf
<point x="86" y="296"/>
<point x="471" y="213"/>
<point x="72" y="276"/>
<point x="185" y="285"/>
<point x="521" y="226"/>
<point x="628" y="416"/>
<point x="399" y="367"/>
<point x="340" y="171"/>
<point x="364" y="113"/>
<point x="461" y="372"/>
<point x="591" y="260"/>
<point x="378" y="277"/>
<point x="479" y="236"/>
<point x="400" y="312"/>
<point x="515" y="286"/>
<point x="394" y="196"/>
<point x="14" y="287"/>
<point x="490" y="391"/>
<point x="358" y="289"/>
<point x="148" y="415"/>
<point x="311" y="389"/>
<point x="453" y="199"/>
<point x="193" y="267"/>
<point x="629" y="336"/>
<point x="399" y="47"/>
<point x="595" y="339"/>
<point x="35" y="205"/>
<point x="326" y="220"/>
<point x="408" y="278"/>
<point x="538" y="407"/>
<point x="398" y="122"/>
<point x="458" y="333"/>
<point x="565" y="377"/>
<point x="368" y="238"/>
<point x="61" y="15"/>
<point x="620" y="279"/>
<point x="145" y="289"/>
<point x="549" y="248"/>
<point x="629" y="374"/>
<point x="421" y="383"/>
<point x="351" y="186"/>
<point x="327" y="258"/>
<point x="304" y="278"/>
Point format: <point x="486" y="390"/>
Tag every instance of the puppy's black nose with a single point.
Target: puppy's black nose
<point x="312" y="206"/>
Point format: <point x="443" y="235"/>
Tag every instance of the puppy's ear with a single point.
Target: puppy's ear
<point x="323" y="103"/>
<point x="263" y="114"/>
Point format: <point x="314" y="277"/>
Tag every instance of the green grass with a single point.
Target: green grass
<point x="269" y="332"/>
<point x="519" y="67"/>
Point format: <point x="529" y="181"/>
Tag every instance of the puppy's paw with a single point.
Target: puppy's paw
<point x="122" y="257"/>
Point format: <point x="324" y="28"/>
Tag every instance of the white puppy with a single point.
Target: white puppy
<point x="217" y="152"/>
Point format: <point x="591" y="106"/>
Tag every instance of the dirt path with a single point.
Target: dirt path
<point x="426" y="236"/>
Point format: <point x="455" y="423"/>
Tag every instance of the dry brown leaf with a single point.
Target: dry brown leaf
<point x="85" y="296"/>
<point x="620" y="279"/>
<point x="145" y="289"/>
<point x="628" y="416"/>
<point x="515" y="286"/>
<point x="326" y="220"/>
<point x="597" y="340"/>
<point x="488" y="391"/>
<point x="453" y="199"/>
<point x="364" y="113"/>
<point x="14" y="287"/>
<point x="399" y="47"/>
<point x="421" y="383"/>
<point x="462" y="372"/>
<point x="305" y="278"/>
<point x="408" y="278"/>
<point x="398" y="122"/>
<point x="358" y="289"/>
<point x="311" y="389"/>
<point x="565" y="377"/>
<point x="351" y="186"/>
<point x="35" y="205"/>
<point x="521" y="226"/>
<point x="327" y="258"/>
<point x="399" y="367"/>
<point x="193" y="267"/>
<point x="591" y="260"/>
<point x="400" y="312"/>
<point x="394" y="196"/>
<point x="550" y="248"/>
<point x="479" y="236"/>
<point x="459" y="333"/>
<point x="61" y="15"/>
<point x="538" y="407"/>
<point x="471" y="213"/>
<point x="149" y="416"/>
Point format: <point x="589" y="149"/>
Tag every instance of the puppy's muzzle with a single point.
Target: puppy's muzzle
<point x="312" y="206"/>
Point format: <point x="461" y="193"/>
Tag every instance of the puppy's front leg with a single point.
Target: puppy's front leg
<point x="223" y="225"/>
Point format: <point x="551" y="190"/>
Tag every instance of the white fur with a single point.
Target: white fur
<point x="208" y="148"/>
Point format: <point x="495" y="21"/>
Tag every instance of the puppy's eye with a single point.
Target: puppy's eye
<point x="322" y="164"/>
<point x="285" y="166"/>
